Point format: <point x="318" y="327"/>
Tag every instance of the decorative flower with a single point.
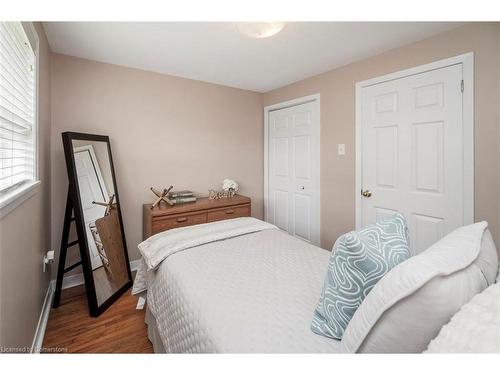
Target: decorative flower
<point x="229" y="184"/>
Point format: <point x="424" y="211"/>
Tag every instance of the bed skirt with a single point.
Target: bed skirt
<point x="153" y="334"/>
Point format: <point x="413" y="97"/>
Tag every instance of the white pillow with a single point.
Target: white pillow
<point x="410" y="304"/>
<point x="473" y="329"/>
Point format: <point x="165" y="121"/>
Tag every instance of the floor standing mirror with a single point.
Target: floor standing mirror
<point x="93" y="205"/>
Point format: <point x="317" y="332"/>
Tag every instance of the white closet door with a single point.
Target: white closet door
<point x="412" y="153"/>
<point x="92" y="189"/>
<point x="293" y="194"/>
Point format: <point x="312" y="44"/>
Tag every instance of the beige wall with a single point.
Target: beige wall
<point x="163" y="130"/>
<point x="25" y="235"/>
<point x="337" y="120"/>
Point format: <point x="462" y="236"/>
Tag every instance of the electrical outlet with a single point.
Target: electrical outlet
<point x="48" y="259"/>
<point x="341" y="149"/>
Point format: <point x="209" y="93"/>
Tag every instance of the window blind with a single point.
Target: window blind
<point x="17" y="106"/>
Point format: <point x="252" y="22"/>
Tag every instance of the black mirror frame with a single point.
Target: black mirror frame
<point x="94" y="309"/>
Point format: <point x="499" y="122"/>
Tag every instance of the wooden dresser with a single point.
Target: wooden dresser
<point x="204" y="210"/>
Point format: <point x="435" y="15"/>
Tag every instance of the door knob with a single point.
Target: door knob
<point x="366" y="193"/>
<point x="301" y="187"/>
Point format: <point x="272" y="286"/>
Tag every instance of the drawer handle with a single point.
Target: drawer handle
<point x="182" y="219"/>
<point x="229" y="212"/>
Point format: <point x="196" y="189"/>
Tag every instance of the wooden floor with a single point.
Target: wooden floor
<point x="120" y="329"/>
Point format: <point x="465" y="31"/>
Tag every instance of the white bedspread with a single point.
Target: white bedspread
<point x="475" y="328"/>
<point x="160" y="246"/>
<point x="251" y="293"/>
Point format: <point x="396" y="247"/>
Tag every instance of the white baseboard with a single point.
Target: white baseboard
<point x="43" y="319"/>
<point x="77" y="279"/>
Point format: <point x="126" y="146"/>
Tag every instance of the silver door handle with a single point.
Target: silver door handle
<point x="301" y="187"/>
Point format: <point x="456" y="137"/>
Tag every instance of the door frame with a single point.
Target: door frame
<point x="467" y="61"/>
<point x="316" y="100"/>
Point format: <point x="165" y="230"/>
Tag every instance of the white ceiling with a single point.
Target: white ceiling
<point x="218" y="53"/>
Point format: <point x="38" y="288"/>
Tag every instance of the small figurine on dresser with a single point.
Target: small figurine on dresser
<point x="229" y="189"/>
<point x="162" y="196"/>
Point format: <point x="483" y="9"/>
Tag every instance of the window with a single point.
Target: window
<point x="17" y="109"/>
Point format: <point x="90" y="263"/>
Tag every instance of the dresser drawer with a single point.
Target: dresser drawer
<point x="228" y="213"/>
<point x="164" y="217"/>
<point x="161" y="224"/>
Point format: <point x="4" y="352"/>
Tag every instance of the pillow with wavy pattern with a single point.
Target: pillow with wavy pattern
<point x="359" y="260"/>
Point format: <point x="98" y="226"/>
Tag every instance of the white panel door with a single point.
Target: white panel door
<point x="293" y="181"/>
<point x="412" y="153"/>
<point x="92" y="189"/>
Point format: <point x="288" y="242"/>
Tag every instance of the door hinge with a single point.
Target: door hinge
<point x="462" y="85"/>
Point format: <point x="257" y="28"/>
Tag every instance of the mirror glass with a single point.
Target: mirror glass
<point x="101" y="217"/>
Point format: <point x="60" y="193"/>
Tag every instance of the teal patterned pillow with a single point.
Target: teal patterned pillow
<point x="359" y="260"/>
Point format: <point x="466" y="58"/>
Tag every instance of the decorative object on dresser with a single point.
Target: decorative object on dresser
<point x="183" y="196"/>
<point x="230" y="185"/>
<point x="229" y="190"/>
<point x="162" y="196"/>
<point x="180" y="194"/>
<point x="215" y="194"/>
<point x="204" y="210"/>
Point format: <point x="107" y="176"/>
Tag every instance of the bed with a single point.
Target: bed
<point x="233" y="292"/>
<point x="244" y="286"/>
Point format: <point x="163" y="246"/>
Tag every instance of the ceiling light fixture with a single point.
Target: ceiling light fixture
<point x="260" y="29"/>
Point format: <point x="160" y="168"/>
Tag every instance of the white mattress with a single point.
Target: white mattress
<point x="255" y="293"/>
